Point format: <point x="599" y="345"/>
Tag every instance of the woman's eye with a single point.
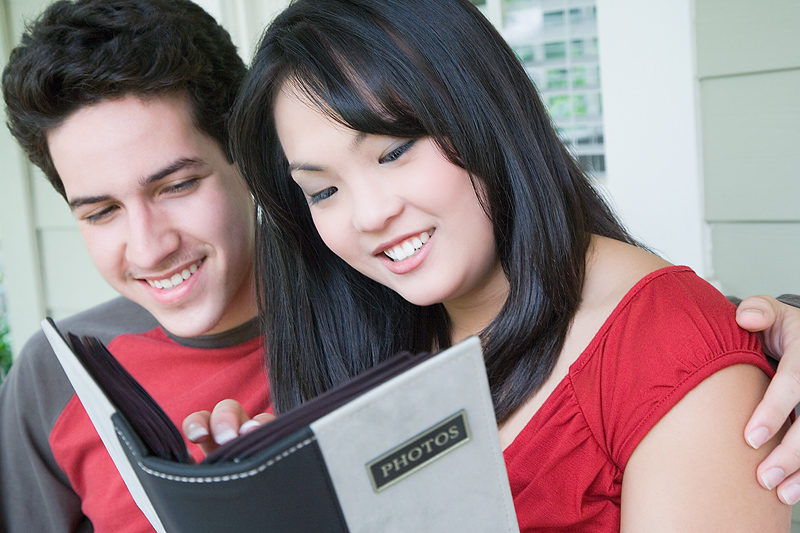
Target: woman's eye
<point x="322" y="195"/>
<point x="397" y="152"/>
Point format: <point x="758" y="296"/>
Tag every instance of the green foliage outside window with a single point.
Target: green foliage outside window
<point x="5" y="341"/>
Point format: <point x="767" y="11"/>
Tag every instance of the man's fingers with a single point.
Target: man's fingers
<point x="210" y="430"/>
<point x="197" y="429"/>
<point x="195" y="426"/>
<point x="783" y="394"/>
<point x="773" y="411"/>
<point x="757" y="313"/>
<point x="780" y="467"/>
<point x="263" y="418"/>
<point x="789" y="491"/>
<point x="778" y="327"/>
<point x="226" y="421"/>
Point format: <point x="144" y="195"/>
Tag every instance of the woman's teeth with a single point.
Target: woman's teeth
<point x="407" y="248"/>
<point x="176" y="279"/>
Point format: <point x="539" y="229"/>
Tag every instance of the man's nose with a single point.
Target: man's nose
<point x="151" y="238"/>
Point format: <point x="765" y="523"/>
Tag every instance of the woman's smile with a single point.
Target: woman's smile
<point x="408" y="247"/>
<point x="398" y="200"/>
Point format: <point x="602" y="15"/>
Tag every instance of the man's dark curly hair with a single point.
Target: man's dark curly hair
<point x="79" y="53"/>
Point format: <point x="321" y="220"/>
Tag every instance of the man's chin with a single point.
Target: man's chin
<point x="184" y="324"/>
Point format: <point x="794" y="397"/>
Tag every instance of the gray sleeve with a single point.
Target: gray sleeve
<point x="790" y="299"/>
<point x="35" y="494"/>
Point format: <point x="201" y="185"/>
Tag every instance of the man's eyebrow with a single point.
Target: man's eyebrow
<point x="354" y="144"/>
<point x="179" y="164"/>
<point x="87" y="200"/>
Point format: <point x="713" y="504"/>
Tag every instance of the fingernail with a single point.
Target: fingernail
<point x="791" y="494"/>
<point x="247" y="426"/>
<point x="757" y="437"/>
<point x="772" y="477"/>
<point x="196" y="432"/>
<point x="751" y="311"/>
<point x="224" y="433"/>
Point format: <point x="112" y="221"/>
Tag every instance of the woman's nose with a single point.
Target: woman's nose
<point x="373" y="208"/>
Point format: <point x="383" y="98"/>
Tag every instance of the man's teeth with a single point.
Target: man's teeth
<point x="176" y="279"/>
<point x="407" y="248"/>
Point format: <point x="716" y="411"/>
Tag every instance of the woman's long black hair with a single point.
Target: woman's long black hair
<point x="413" y="68"/>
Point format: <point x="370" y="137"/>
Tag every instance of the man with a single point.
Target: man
<point x="123" y="104"/>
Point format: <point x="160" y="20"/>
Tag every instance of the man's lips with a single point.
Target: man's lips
<point x="175" y="279"/>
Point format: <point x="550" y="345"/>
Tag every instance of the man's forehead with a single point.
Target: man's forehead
<point x="127" y="142"/>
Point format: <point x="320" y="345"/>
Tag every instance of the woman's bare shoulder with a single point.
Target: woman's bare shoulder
<point x="613" y="268"/>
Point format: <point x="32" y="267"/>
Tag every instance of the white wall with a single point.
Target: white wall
<point x="653" y="171"/>
<point x="244" y="19"/>
<point x="21" y="254"/>
<point x="650" y="107"/>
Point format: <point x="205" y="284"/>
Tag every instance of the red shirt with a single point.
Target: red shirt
<point x="182" y="379"/>
<point x="669" y="333"/>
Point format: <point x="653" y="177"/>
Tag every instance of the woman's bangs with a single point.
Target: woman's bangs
<point x="359" y="93"/>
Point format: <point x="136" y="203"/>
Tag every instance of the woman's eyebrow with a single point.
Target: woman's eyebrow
<point x="305" y="166"/>
<point x="357" y="141"/>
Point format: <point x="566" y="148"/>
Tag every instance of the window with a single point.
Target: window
<point x="585" y="14"/>
<point x="525" y="53"/>
<point x="557" y="50"/>
<point x="557" y="78"/>
<point x="554" y="18"/>
<point x="557" y="42"/>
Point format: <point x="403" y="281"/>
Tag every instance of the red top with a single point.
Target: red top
<point x="669" y="333"/>
<point x="182" y="379"/>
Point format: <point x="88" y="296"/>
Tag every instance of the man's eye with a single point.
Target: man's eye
<point x="397" y="152"/>
<point x="322" y="195"/>
<point x="182" y="186"/>
<point x="99" y="216"/>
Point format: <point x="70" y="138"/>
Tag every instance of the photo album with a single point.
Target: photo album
<point x="409" y="445"/>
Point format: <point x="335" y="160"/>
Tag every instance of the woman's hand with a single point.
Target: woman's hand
<point x="778" y="326"/>
<point x="227" y="421"/>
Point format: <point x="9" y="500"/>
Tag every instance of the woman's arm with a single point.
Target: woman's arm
<point x="694" y="472"/>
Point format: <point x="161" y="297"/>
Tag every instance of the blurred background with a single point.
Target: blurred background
<point x="686" y="113"/>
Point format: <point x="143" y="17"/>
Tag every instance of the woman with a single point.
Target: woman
<point x="415" y="193"/>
